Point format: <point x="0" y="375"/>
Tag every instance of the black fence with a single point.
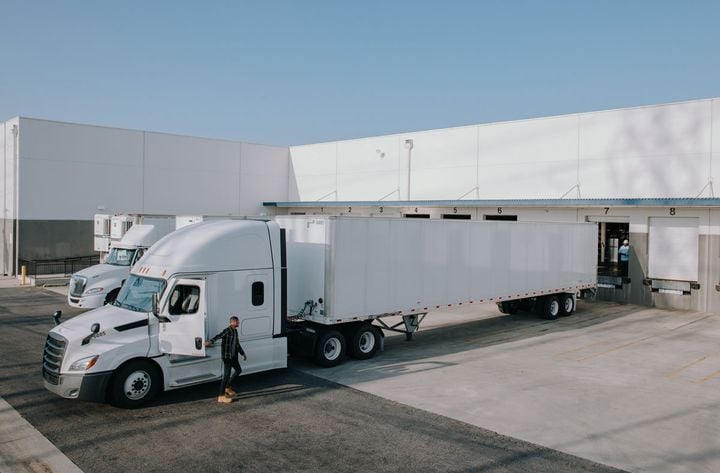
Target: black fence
<point x="59" y="267"/>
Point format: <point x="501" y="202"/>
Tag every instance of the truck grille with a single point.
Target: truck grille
<point x="77" y="285"/>
<point x="53" y="357"/>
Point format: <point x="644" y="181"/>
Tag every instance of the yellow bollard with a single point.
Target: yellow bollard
<point x="23" y="274"/>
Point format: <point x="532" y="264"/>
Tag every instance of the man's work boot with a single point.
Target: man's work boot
<point x="224" y="399"/>
<point x="230" y="392"/>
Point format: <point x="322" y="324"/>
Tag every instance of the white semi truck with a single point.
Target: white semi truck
<point x="100" y="284"/>
<point x="320" y="286"/>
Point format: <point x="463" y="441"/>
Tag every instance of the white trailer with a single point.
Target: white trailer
<point x="319" y="286"/>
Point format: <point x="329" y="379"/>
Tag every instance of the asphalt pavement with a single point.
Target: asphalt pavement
<point x="283" y="420"/>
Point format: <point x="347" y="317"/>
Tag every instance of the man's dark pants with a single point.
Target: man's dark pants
<point x="227" y="380"/>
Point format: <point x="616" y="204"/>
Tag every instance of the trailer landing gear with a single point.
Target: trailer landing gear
<point x="411" y="323"/>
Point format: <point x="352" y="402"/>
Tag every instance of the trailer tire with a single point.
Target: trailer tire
<point x="508" y="307"/>
<point x="365" y="342"/>
<point x="330" y="349"/>
<point x="134" y="384"/>
<point x="567" y="305"/>
<point x="551" y="307"/>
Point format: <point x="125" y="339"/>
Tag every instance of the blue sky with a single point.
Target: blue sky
<point x="293" y="72"/>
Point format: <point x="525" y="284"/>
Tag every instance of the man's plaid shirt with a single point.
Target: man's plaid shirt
<point x="230" y="343"/>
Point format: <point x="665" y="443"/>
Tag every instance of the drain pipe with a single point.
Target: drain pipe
<point x="409" y="147"/>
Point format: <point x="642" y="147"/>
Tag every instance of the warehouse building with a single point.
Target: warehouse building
<point x="644" y="174"/>
<point x="56" y="176"/>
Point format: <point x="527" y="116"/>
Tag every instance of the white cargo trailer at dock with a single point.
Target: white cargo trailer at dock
<point x="355" y="268"/>
<point x="318" y="286"/>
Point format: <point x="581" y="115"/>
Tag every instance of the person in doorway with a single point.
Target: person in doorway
<point x="230" y="350"/>
<point x="624" y="253"/>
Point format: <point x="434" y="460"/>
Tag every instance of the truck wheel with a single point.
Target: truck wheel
<point x="551" y="307"/>
<point x="508" y="307"/>
<point x="135" y="384"/>
<point x="330" y="349"/>
<point x="112" y="296"/>
<point x="567" y="305"/>
<point x="365" y="342"/>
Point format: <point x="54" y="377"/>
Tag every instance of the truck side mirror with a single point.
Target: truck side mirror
<point x="155" y="304"/>
<point x="94" y="329"/>
<point x="56" y="316"/>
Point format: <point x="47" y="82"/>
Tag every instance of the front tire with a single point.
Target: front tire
<point x="135" y="384"/>
<point x="551" y="307"/>
<point x="330" y="349"/>
<point x="365" y="342"/>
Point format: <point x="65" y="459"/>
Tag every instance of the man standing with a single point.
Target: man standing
<point x="624" y="252"/>
<point x="230" y="349"/>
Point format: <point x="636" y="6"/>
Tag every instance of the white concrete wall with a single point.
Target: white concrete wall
<point x="71" y="172"/>
<point x="665" y="150"/>
<point x="7" y="170"/>
<point x="8" y="194"/>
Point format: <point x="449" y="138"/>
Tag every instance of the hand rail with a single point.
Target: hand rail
<point x="60" y="266"/>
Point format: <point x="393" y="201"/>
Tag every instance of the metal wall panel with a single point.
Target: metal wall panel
<point x="653" y="151"/>
<point x="657" y="151"/>
<point x="709" y="191"/>
<point x="442" y="182"/>
<point x="69" y="172"/>
<point x="313" y="172"/>
<point x="522" y="142"/>
<point x="644" y="176"/>
<point x="187" y="175"/>
<point x="263" y="176"/>
<point x="368" y="167"/>
<point x="56" y="190"/>
<point x="69" y="142"/>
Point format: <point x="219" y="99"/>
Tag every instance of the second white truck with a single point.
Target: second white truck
<point x="319" y="286"/>
<point x="100" y="284"/>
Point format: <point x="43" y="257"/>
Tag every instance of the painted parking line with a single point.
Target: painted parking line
<point x="642" y="339"/>
<point x="24" y="449"/>
<point x="714" y="375"/>
<point x="676" y="372"/>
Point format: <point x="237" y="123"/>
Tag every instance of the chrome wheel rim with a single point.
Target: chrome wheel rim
<point x="332" y="349"/>
<point x="137" y="385"/>
<point x="367" y="342"/>
<point x="554" y="308"/>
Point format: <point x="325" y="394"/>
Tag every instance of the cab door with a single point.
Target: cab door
<point x="182" y="319"/>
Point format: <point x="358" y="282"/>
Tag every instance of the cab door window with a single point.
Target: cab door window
<point x="185" y="299"/>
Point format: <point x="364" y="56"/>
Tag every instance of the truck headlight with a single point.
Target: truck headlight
<point x="95" y="290"/>
<point x="84" y="364"/>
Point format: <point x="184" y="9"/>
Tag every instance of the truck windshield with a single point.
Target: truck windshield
<point x="136" y="293"/>
<point x="120" y="257"/>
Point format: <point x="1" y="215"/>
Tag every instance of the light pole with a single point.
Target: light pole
<point x="408" y="147"/>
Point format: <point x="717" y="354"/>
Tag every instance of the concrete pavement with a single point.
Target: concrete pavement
<point x="628" y="386"/>
<point x="25" y="450"/>
<point x="283" y="421"/>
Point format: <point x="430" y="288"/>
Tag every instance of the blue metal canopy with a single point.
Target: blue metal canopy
<point x="640" y="202"/>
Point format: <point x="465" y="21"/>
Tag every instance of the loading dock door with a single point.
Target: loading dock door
<point x="673" y="244"/>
